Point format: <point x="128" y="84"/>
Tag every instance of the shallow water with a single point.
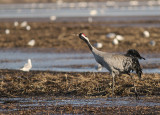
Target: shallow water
<point x="81" y="9"/>
<point x="64" y="62"/>
<point x="28" y="103"/>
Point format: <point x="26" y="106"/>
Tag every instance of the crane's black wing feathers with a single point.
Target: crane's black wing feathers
<point x="132" y="64"/>
<point x="136" y="67"/>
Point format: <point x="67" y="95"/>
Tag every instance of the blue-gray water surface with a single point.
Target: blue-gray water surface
<point x="80" y="9"/>
<point x="64" y="62"/>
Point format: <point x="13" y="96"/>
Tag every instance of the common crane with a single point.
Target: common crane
<point x="130" y="52"/>
<point x="116" y="64"/>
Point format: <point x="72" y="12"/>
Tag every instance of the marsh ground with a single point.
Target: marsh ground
<point x="61" y="36"/>
<point x="15" y="83"/>
<point x="69" y="85"/>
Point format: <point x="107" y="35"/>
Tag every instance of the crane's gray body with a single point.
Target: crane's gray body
<point x="114" y="63"/>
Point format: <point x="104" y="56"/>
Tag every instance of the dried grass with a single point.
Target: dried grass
<point x="36" y="83"/>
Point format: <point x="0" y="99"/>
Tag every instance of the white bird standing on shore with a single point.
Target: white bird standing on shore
<point x="53" y="18"/>
<point x="27" y="66"/>
<point x="98" y="45"/>
<point x="16" y="23"/>
<point x="24" y="24"/>
<point x="7" y="31"/>
<point x="119" y="37"/>
<point x="31" y="42"/>
<point x="111" y="35"/>
<point x="93" y="12"/>
<point x="115" y="41"/>
<point x="28" y="27"/>
<point x="116" y="64"/>
<point x="146" y="34"/>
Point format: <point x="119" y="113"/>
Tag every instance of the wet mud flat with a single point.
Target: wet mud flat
<point x="62" y="36"/>
<point x="62" y="105"/>
<point x="69" y="92"/>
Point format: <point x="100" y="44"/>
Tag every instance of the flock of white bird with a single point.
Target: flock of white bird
<point x="25" y="25"/>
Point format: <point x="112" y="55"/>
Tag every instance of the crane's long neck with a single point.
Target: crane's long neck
<point x="93" y="50"/>
<point x="96" y="53"/>
<point x="89" y="45"/>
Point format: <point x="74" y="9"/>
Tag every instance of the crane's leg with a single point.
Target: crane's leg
<point x="113" y="84"/>
<point x="135" y="89"/>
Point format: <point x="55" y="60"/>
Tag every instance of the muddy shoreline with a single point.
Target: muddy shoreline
<point x="39" y="86"/>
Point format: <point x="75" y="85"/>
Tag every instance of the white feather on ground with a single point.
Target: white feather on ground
<point x="27" y="66"/>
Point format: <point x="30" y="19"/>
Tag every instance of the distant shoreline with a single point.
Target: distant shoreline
<point x="54" y="1"/>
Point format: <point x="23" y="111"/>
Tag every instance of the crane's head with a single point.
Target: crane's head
<point x="83" y="37"/>
<point x="134" y="53"/>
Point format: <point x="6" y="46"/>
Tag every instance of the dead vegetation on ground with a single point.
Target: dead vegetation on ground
<point x="35" y="83"/>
